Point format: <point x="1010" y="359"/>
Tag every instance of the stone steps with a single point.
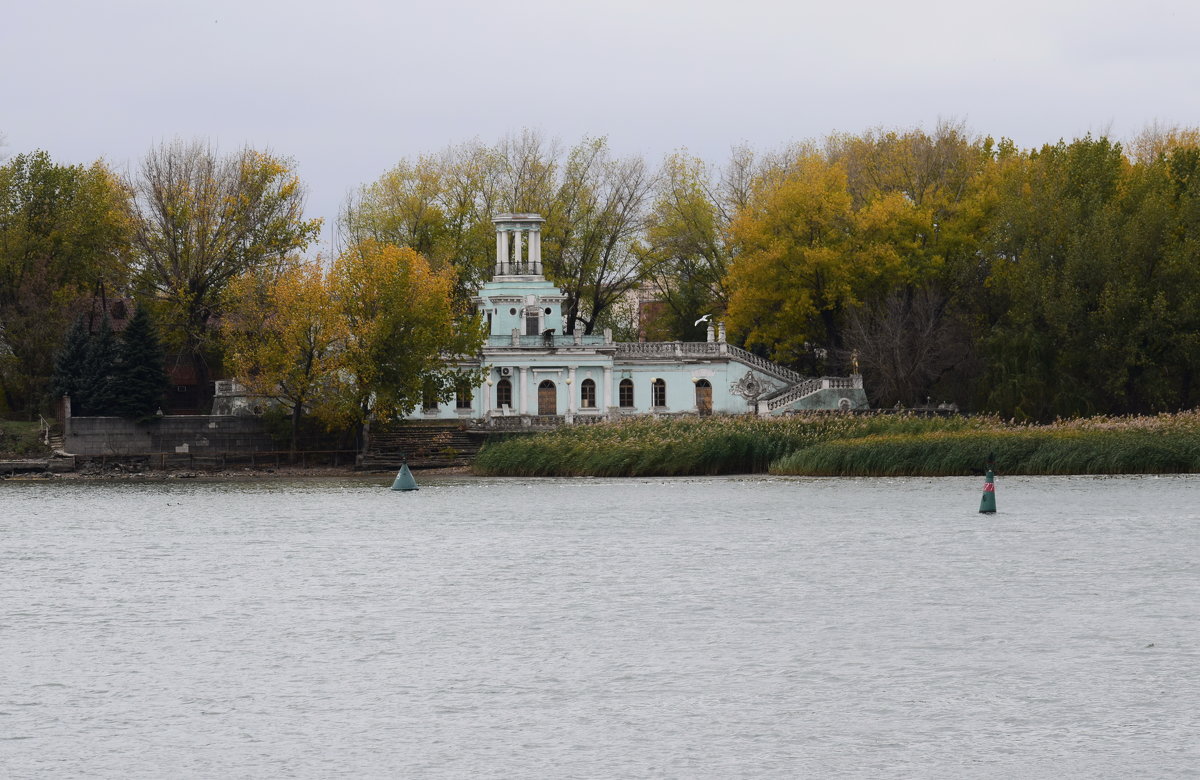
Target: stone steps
<point x="428" y="445"/>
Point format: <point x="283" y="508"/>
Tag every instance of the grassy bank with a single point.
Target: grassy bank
<point x="1166" y="444"/>
<point x="684" y="446"/>
<point x="842" y="445"/>
<point x="21" y="439"/>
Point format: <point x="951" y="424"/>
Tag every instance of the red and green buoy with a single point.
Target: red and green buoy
<point x="987" y="504"/>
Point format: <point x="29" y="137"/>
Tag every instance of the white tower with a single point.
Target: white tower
<point x="518" y="245"/>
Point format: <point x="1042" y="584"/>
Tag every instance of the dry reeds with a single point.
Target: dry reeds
<point x="851" y="445"/>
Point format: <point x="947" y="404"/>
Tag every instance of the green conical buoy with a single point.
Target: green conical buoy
<point x="404" y="480"/>
<point x="987" y="504"/>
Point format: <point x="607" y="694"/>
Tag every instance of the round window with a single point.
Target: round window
<point x="512" y="311"/>
<point x="547" y="310"/>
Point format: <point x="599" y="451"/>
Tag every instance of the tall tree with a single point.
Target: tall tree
<point x="97" y="388"/>
<point x="1054" y="242"/>
<point x="795" y="272"/>
<point x="64" y="232"/>
<point x="203" y="220"/>
<point x="287" y="340"/>
<point x="140" y="377"/>
<point x="403" y="334"/>
<point x="592" y="228"/>
<point x="913" y="335"/>
<point x="69" y="362"/>
<point x="686" y="255"/>
<point x="438" y="205"/>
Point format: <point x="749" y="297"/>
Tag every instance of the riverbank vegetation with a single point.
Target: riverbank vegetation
<point x="1056" y="281"/>
<point x="19" y="439"/>
<point x="822" y="444"/>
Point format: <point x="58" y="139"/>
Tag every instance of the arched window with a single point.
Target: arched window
<point x="625" y="394"/>
<point x="703" y="396"/>
<point x="587" y="394"/>
<point x="503" y="394"/>
<point x="658" y="392"/>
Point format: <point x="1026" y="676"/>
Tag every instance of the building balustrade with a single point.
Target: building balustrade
<point x="667" y="349"/>
<point x="557" y="341"/>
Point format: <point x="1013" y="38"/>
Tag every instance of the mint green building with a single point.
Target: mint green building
<point x="536" y="374"/>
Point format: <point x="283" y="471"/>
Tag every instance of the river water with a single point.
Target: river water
<point x="715" y="628"/>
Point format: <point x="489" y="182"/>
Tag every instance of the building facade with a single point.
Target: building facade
<point x="534" y="373"/>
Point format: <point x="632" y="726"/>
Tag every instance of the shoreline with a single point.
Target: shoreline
<point x="117" y="474"/>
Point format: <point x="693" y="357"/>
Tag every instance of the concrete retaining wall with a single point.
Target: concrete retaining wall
<point x="192" y="434"/>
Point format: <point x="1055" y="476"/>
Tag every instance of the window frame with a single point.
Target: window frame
<point x="625" y="396"/>
<point x="658" y="393"/>
<point x="464" y="398"/>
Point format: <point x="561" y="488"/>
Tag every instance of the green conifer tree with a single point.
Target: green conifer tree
<point x="69" y="363"/>
<point x="140" y="378"/>
<point x="96" y="388"/>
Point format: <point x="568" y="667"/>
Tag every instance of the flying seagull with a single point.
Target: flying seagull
<point x="702" y="319"/>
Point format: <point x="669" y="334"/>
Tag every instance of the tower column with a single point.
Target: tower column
<point x="516" y="258"/>
<point x="535" y="250"/>
<point x="524" y="407"/>
<point x="502" y="242"/>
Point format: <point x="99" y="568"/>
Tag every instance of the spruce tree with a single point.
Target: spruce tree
<point x="69" y="363"/>
<point x="140" y="378"/>
<point x="97" y="393"/>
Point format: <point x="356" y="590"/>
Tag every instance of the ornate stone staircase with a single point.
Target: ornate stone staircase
<point x="797" y="387"/>
<point x="424" y="444"/>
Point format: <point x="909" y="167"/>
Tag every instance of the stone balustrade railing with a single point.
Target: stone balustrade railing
<point x="810" y="386"/>
<point x="657" y="349"/>
<point x="805" y="388"/>
<point x="766" y="366"/>
<point x="558" y="341"/>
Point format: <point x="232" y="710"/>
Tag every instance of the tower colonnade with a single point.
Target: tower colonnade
<point x="518" y="244"/>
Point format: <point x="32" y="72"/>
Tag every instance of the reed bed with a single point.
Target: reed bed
<point x="823" y="444"/>
<point x="687" y="446"/>
<point x="1165" y="444"/>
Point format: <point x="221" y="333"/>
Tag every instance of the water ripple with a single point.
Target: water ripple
<point x="739" y="627"/>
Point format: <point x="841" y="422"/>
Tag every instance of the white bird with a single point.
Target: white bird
<point x="702" y="319"/>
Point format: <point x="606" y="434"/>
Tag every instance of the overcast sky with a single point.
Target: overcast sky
<point x="347" y="89"/>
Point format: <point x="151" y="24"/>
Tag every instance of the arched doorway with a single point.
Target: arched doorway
<point x="703" y="397"/>
<point x="547" y="398"/>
